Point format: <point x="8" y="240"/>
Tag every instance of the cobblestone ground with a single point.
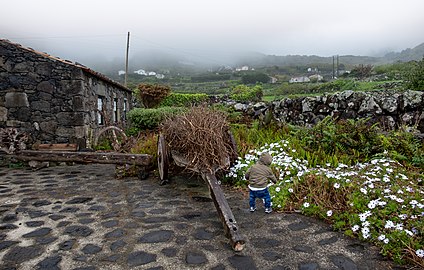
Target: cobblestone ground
<point x="81" y="217"/>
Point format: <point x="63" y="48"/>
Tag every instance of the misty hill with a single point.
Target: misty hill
<point x="416" y="53"/>
<point x="188" y="63"/>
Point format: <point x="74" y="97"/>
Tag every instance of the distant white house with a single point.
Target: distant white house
<point x="141" y="72"/>
<point x="151" y="73"/>
<point x="160" y="76"/>
<point x="316" y="78"/>
<point x="300" y="79"/>
<point x="274" y="80"/>
<point x="121" y="72"/>
<point x="243" y="68"/>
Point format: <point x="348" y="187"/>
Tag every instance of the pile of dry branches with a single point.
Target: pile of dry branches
<point x="201" y="136"/>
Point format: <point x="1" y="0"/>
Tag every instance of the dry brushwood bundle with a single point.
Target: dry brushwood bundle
<point x="201" y="137"/>
<point x="152" y="94"/>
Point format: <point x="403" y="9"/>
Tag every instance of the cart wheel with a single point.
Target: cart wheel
<point x="163" y="160"/>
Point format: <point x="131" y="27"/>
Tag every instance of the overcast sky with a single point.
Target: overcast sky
<point x="79" y="29"/>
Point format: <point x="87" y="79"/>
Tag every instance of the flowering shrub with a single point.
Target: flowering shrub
<point x="378" y="201"/>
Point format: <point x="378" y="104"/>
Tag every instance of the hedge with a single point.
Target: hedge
<point x="141" y="118"/>
<point x="184" y="100"/>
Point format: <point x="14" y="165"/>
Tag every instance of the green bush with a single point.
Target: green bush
<point x="210" y="77"/>
<point x="141" y="119"/>
<point x="252" y="78"/>
<point x="244" y="93"/>
<point x="183" y="100"/>
<point x="415" y="77"/>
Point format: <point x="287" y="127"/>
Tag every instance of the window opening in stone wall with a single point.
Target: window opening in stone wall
<point x="100" y="117"/>
<point x="125" y="109"/>
<point x="115" y="110"/>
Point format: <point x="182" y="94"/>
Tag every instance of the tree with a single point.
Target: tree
<point x="415" y="77"/>
<point x="362" y="71"/>
<point x="152" y="95"/>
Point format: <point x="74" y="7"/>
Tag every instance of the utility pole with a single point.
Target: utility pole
<point x="126" y="60"/>
<point x="333" y="67"/>
<point x="337" y="70"/>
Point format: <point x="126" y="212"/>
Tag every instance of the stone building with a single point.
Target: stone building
<point x="55" y="100"/>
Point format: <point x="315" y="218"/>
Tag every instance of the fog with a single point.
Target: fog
<point x="212" y="31"/>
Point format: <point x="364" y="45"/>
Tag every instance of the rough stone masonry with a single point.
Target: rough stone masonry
<point x="391" y="109"/>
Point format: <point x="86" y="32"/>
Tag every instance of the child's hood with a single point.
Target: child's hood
<point x="265" y="159"/>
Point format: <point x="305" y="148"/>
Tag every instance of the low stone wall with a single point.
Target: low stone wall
<point x="392" y="109"/>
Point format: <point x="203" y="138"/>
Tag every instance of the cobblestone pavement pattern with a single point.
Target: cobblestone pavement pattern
<point x="81" y="217"/>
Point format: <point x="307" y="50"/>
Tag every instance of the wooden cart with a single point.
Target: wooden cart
<point x="227" y="218"/>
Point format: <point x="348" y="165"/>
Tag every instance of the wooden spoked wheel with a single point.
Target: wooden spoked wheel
<point x="163" y="160"/>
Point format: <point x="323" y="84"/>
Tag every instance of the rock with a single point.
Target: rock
<point x="390" y="103"/>
<point x="308" y="266"/>
<point x="79" y="200"/>
<point x="91" y="249"/>
<point x="169" y="252"/>
<point x="67" y="245"/>
<point x="77" y="230"/>
<point x="140" y="258"/>
<point x="41" y="203"/>
<point x="202" y="234"/>
<point x="50" y="263"/>
<point x="110" y="223"/>
<point x="38" y="233"/>
<point x="242" y="262"/>
<point x="156" y="237"/>
<point x="301" y="248"/>
<point x="115" y="233"/>
<point x="343" y="262"/>
<point x="10" y="218"/>
<point x="299" y="226"/>
<point x="19" y="254"/>
<point x="195" y="258"/>
<point x="117" y="244"/>
<point x="412" y="99"/>
<point x="272" y="256"/>
<point x="369" y="106"/>
<point x="328" y="241"/>
<point x="7" y="244"/>
<point x="46" y="240"/>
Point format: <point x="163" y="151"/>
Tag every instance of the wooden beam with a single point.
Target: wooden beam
<point x="85" y="157"/>
<point x="226" y="215"/>
<point x="57" y="147"/>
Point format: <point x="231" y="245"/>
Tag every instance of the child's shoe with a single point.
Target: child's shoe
<point x="252" y="209"/>
<point x="268" y="210"/>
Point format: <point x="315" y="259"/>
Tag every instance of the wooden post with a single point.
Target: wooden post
<point x="126" y="60"/>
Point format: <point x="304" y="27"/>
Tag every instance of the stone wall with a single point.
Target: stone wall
<point x="52" y="100"/>
<point x="392" y="109"/>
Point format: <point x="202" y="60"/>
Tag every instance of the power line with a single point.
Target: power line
<point x="160" y="45"/>
<point x="59" y="37"/>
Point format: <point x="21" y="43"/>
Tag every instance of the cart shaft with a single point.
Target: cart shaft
<point x="226" y="215"/>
